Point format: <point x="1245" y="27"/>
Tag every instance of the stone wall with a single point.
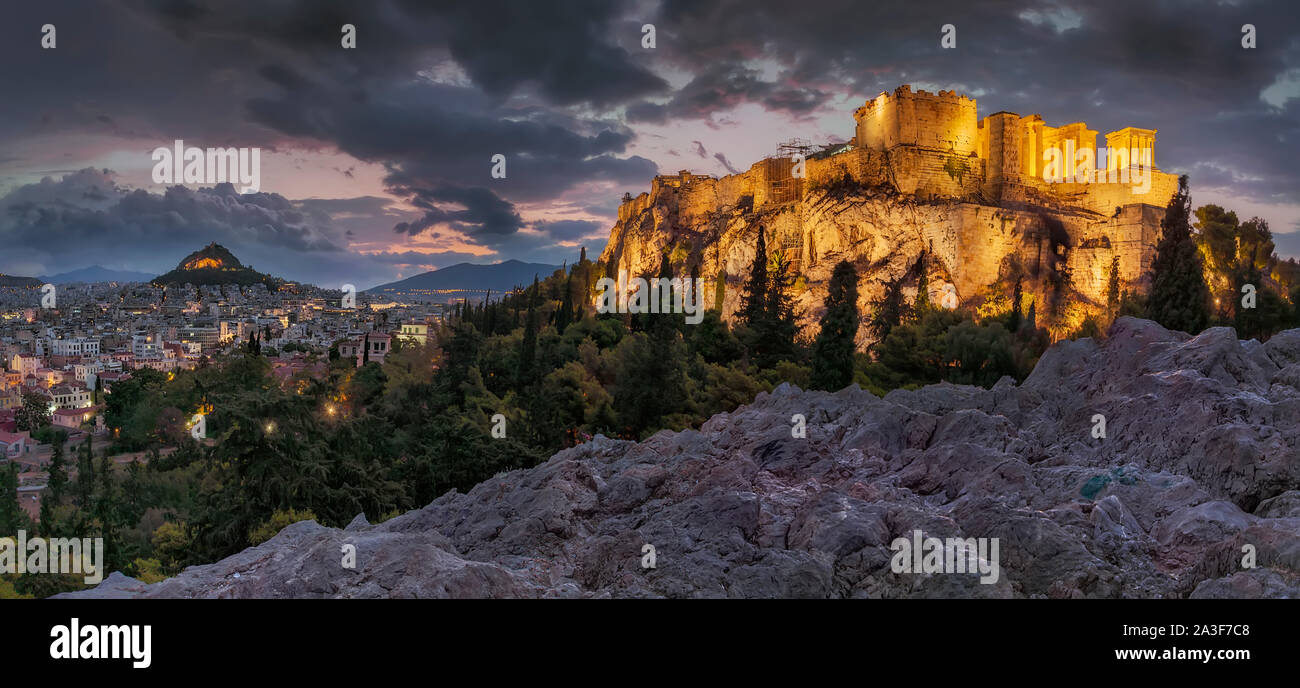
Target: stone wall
<point x="943" y="121"/>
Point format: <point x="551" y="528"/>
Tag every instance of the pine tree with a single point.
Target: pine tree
<point x="1179" y="296"/>
<point x="833" y="351"/>
<point x="34" y="414"/>
<point x="1270" y="314"/>
<point x="888" y="312"/>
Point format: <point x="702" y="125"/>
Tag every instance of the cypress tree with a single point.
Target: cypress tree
<point x="834" y="348"/>
<point x="564" y="316"/>
<point x="48" y="526"/>
<point x="10" y="512"/>
<point x="1180" y="299"/>
<point x="85" y="474"/>
<point x="58" y="471"/>
<point x="490" y="317"/>
<point x="1016" y="296"/>
<point x="923" y="305"/>
<point x="753" y="306"/>
<point x="780" y="327"/>
<point x="528" y="347"/>
<point x="662" y="326"/>
<point x="1112" y="287"/>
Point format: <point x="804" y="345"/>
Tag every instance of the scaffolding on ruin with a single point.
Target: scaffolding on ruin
<point x="784" y="188"/>
<point x="788" y="149"/>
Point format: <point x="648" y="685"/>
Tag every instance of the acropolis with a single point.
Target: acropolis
<point x="921" y="172"/>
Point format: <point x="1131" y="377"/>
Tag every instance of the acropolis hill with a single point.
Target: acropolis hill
<point x="921" y="174"/>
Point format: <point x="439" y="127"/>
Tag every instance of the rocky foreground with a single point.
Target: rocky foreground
<point x="1199" y="465"/>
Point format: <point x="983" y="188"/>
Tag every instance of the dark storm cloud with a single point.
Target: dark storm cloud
<point x="137" y="219"/>
<point x="153" y="231"/>
<point x="434" y="89"/>
<point x="1173" y="65"/>
<point x="483" y="211"/>
<point x="568" y="52"/>
<point x="271" y="74"/>
<point x="565" y="48"/>
<point x="723" y="86"/>
<point x="437" y="143"/>
<point x="570" y="230"/>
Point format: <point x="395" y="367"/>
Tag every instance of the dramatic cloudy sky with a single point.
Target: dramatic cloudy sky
<point x="376" y="161"/>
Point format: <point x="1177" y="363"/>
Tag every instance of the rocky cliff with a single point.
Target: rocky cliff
<point x="975" y="249"/>
<point x="1199" y="464"/>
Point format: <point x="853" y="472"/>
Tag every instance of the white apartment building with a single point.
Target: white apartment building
<point x="146" y="346"/>
<point x="79" y="346"/>
<point x="69" y="397"/>
<point x="85" y="372"/>
<point x="24" y="364"/>
<point x="417" y="333"/>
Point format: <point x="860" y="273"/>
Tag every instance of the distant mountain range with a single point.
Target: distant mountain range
<point x="96" y="273"/>
<point x="215" y="264"/>
<point x="499" y="277"/>
<point x="212" y="265"/>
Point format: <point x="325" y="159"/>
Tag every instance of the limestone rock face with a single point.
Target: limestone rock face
<point x="1063" y="254"/>
<point x="1199" y="464"/>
